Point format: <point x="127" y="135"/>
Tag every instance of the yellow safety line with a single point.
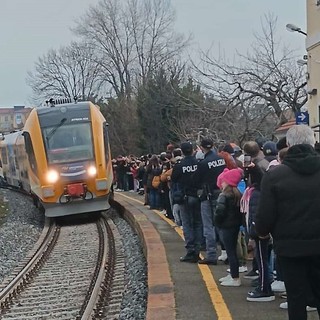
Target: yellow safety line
<point x="217" y="300"/>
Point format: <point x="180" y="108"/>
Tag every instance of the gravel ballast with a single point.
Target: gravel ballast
<point x="21" y="225"/>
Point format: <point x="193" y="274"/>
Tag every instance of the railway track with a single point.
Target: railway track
<point x="76" y="273"/>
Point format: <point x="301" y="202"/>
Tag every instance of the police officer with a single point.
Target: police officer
<point x="189" y="203"/>
<point x="205" y="178"/>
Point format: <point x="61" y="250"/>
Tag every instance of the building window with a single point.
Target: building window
<point x="18" y="119"/>
<point x="6" y="118"/>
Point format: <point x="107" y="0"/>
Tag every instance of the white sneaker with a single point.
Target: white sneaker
<point x="311" y="308"/>
<point x="278" y="286"/>
<point x="231" y="283"/>
<point x="241" y="269"/>
<point x="228" y="277"/>
<point x="284" y="305"/>
<point x="223" y="256"/>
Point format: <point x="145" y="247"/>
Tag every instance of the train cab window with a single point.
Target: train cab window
<point x="30" y="152"/>
<point x="69" y="143"/>
<point x="106" y="141"/>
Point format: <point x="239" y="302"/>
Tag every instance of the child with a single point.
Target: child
<point x="263" y="292"/>
<point x="228" y="219"/>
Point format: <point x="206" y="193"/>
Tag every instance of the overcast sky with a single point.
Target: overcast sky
<point x="29" y="28"/>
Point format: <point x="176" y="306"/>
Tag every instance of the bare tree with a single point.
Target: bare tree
<point x="155" y="41"/>
<point x="266" y="78"/>
<point x="132" y="38"/>
<point x="69" y="72"/>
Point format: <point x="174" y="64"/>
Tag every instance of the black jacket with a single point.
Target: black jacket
<point x="252" y="214"/>
<point x="289" y="206"/>
<point x="227" y="213"/>
<point x="183" y="172"/>
<point x="207" y="172"/>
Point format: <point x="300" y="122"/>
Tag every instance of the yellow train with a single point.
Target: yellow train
<point x="62" y="157"/>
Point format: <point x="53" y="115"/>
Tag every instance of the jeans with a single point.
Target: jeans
<point x="302" y="278"/>
<point x="207" y="209"/>
<point x="154" y="199"/>
<point x="230" y="240"/>
<point x="278" y="268"/>
<point x="271" y="262"/>
<point x="176" y="214"/>
<point x="192" y="224"/>
<point x="123" y="181"/>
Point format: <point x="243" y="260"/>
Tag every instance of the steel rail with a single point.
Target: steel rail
<point x="98" y="279"/>
<point x="24" y="275"/>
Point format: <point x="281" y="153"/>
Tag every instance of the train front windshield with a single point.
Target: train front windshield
<point x="68" y="143"/>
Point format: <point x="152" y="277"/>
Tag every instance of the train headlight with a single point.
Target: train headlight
<point x="92" y="171"/>
<point x="52" y="176"/>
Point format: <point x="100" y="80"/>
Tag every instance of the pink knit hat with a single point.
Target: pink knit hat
<point x="231" y="177"/>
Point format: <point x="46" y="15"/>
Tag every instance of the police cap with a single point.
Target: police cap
<point x="206" y="143"/>
<point x="186" y="147"/>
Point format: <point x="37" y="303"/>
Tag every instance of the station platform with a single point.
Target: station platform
<point x="183" y="291"/>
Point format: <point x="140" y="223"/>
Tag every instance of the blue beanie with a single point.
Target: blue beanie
<point x="270" y="148"/>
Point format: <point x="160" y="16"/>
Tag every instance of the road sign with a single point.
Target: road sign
<point x="302" y="118"/>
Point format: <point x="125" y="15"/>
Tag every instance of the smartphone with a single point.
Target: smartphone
<point x="246" y="160"/>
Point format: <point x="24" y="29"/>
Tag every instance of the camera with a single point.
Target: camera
<point x="246" y="160"/>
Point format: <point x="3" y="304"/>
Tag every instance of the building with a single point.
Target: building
<point x="13" y="118"/>
<point x="282" y="130"/>
<point x="313" y="49"/>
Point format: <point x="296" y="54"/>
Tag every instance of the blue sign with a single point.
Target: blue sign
<point x="302" y="118"/>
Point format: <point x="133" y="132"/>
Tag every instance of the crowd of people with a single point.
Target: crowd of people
<point x="261" y="198"/>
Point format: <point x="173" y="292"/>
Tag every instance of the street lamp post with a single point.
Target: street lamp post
<point x="293" y="28"/>
<point x="303" y="112"/>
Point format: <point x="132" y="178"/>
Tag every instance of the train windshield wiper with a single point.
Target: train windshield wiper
<point x="54" y="129"/>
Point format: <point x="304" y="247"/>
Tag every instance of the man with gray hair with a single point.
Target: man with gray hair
<point x="289" y="209"/>
<point x="300" y="134"/>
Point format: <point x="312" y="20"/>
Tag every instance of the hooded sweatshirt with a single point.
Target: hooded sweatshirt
<point x="289" y="206"/>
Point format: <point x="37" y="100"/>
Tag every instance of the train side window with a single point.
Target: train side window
<point x="4" y="155"/>
<point x="30" y="152"/>
<point x="16" y="159"/>
<point x="106" y="141"/>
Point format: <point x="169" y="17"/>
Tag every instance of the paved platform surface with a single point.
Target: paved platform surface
<point x="186" y="291"/>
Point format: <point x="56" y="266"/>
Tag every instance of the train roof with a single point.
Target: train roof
<point x="67" y="113"/>
<point x="79" y="105"/>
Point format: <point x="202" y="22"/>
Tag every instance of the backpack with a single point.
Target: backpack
<point x="156" y="182"/>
